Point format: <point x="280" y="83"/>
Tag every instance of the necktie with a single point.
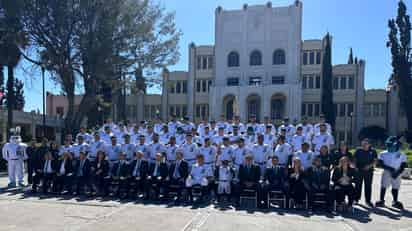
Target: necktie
<point x="156" y="169"/>
<point x="118" y="169"/>
<point x="46" y="165"/>
<point x="136" y="169"/>
<point x="176" y="172"/>
<point x="81" y="168"/>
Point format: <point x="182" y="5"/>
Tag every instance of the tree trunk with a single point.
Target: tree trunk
<point x="10" y="98"/>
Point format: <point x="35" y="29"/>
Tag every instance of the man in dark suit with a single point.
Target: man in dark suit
<point x="275" y="178"/>
<point x="138" y="171"/>
<point x="318" y="181"/>
<point x="178" y="172"/>
<point x="249" y="176"/>
<point x="81" y="173"/>
<point x="31" y="155"/>
<point x="158" y="172"/>
<point x="45" y="172"/>
<point x="120" y="176"/>
<point x="64" y="173"/>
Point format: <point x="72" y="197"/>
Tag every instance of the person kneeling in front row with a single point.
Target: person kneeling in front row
<point x="199" y="178"/>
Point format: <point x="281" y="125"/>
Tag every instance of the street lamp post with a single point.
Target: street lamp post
<point x="44" y="101"/>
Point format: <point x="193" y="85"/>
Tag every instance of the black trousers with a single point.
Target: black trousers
<point x="342" y="191"/>
<point x="30" y="171"/>
<point x="61" y="182"/>
<point x="154" y="184"/>
<point x="329" y="195"/>
<point x="45" y="178"/>
<point x="100" y="182"/>
<point x="80" y="182"/>
<point x="366" y="178"/>
<point x="238" y="189"/>
<point x="298" y="192"/>
<point x="136" y="185"/>
<point x="176" y="185"/>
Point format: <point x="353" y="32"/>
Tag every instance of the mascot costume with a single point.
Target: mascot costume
<point x="14" y="152"/>
<point x="393" y="162"/>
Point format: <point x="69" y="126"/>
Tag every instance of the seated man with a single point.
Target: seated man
<point x="64" y="173"/>
<point x="224" y="175"/>
<point x="157" y="175"/>
<point x="249" y="176"/>
<point x="178" y="172"/>
<point x="139" y="169"/>
<point x="45" y="173"/>
<point x="199" y="176"/>
<point x="274" y="179"/>
<point x="120" y="176"/>
<point x="100" y="171"/>
<point x="318" y="181"/>
<point x="82" y="173"/>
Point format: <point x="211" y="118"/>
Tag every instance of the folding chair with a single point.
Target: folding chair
<point x="247" y="195"/>
<point x="278" y="197"/>
<point x="292" y="202"/>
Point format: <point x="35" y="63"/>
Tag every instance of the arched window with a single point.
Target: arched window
<point x="255" y="58"/>
<point x="233" y="59"/>
<point x="279" y="57"/>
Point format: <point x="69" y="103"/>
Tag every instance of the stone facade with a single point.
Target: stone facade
<point x="260" y="66"/>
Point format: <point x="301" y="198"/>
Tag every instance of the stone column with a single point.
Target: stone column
<point x="140" y="105"/>
<point x="165" y="91"/>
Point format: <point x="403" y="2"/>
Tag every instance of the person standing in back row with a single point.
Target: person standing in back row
<point x="364" y="160"/>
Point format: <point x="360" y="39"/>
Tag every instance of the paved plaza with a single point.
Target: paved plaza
<point x="23" y="211"/>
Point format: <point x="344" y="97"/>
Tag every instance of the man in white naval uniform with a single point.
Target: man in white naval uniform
<point x="283" y="151"/>
<point x="261" y="153"/>
<point x="14" y="153"/>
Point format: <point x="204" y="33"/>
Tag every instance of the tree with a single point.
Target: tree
<point x="327" y="86"/>
<point x="18" y="95"/>
<point x="13" y="39"/>
<point x="400" y="44"/>
<point x="350" y="60"/>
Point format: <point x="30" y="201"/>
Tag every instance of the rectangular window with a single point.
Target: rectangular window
<point x="305" y="58"/>
<point x="172" y="88"/>
<point x="335" y="82"/>
<point x="203" y="111"/>
<point x="198" y="85"/>
<point x="318" y="57"/>
<point x="198" y="111"/>
<point x="255" y="81"/>
<point x="204" y="85"/>
<point x="209" y="84"/>
<point x="232" y="81"/>
<point x="146" y="111"/>
<point x="184" y="110"/>
<point x="312" y="58"/>
<point x="178" y="87"/>
<point x="152" y="111"/>
<point x="350" y="109"/>
<point x="303" y="109"/>
<point x="367" y="110"/>
<point x="310" y="109"/>
<point x="172" y="110"/>
<point x="199" y="62"/>
<point x="278" y="79"/>
<point x="351" y="82"/>
<point x="184" y="90"/>
<point x="210" y="62"/>
<point x="178" y="115"/>
<point x="310" y="79"/>
<point x="304" y="82"/>
<point x="317" y="85"/>
<point x="317" y="109"/>
<point x="343" y="83"/>
<point x="60" y="111"/>
<point x="204" y="62"/>
<point x="335" y="108"/>
<point x="342" y="111"/>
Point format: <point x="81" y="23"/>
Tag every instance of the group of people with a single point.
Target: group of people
<point x="217" y="159"/>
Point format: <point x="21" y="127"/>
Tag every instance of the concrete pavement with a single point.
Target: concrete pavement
<point x="21" y="211"/>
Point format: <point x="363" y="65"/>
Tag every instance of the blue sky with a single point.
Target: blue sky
<point x="360" y="24"/>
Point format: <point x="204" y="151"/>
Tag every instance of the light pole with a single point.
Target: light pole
<point x="44" y="101"/>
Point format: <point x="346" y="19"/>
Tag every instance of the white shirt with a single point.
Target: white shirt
<point x="226" y="153"/>
<point x="65" y="148"/>
<point x="171" y="152"/>
<point x="113" y="152"/>
<point x="209" y="154"/>
<point x="297" y="141"/>
<point x="62" y="168"/>
<point x="261" y="153"/>
<point x="189" y="152"/>
<point x="316" y="128"/>
<point x="95" y="147"/>
<point x="306" y="158"/>
<point x="283" y="151"/>
<point x="77" y="148"/>
<point x="393" y="159"/>
<point x="199" y="172"/>
<point x="155" y="148"/>
<point x="239" y="155"/>
<point x="322" y="139"/>
<point x="130" y="150"/>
